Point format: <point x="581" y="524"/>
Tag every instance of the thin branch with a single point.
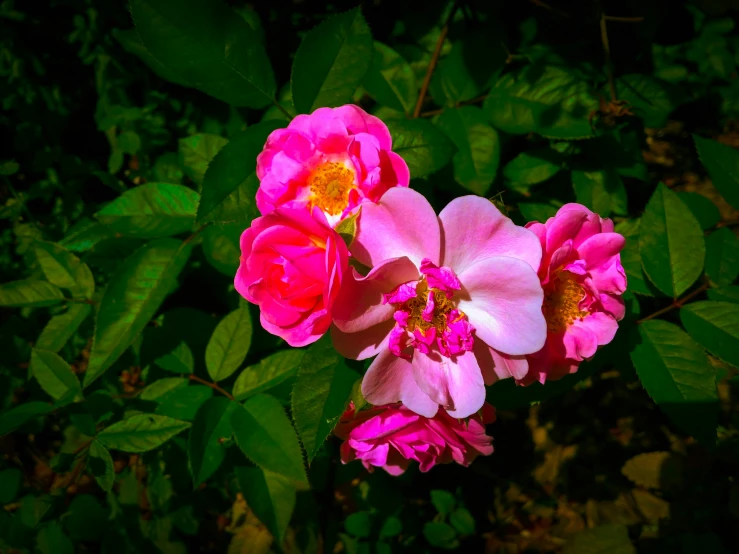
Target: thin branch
<point x="282" y="109"/>
<point x="676" y="303"/>
<point x="434" y="61"/>
<point x="540" y="4"/>
<point x="81" y="301"/>
<point x="195" y="234"/>
<point x="623" y="19"/>
<point x="211" y="385"/>
<point x="477" y="100"/>
<point x="607" y="54"/>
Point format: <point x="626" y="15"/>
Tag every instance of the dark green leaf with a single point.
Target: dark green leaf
<point x="533" y="211"/>
<point x="443" y="501"/>
<point x="141" y="433"/>
<point x="421" y="144"/>
<point x="221" y="246"/>
<point x="331" y="62"/>
<point x="271" y="496"/>
<point x="676" y="373"/>
<point x="631" y="258"/>
<point x="724" y="294"/>
<point x="207" y="46"/>
<point x="196" y="153"/>
<point x="60" y="328"/>
<point x="159" y="388"/>
<point x="722" y="257"/>
<point x="53" y="374"/>
<point x="462" y="521"/>
<point x="648" y="97"/>
<point x="132" y="44"/>
<point x="29" y="294"/>
<point x="722" y="163"/>
<point x="390" y="80"/>
<point x="704" y="210"/>
<point x="10" y="484"/>
<point x="532" y="167"/>
<point x="478" y="147"/>
<point x="210" y="429"/>
<point x="715" y="326"/>
<point x="670" y="243"/>
<point x="131" y="299"/>
<point x="320" y="394"/>
<point x="601" y="191"/>
<point x="152" y="210"/>
<point x="392" y="527"/>
<point x="603" y="539"/>
<point x="183" y="403"/>
<point x="266" y="436"/>
<point x="85" y="235"/>
<point x="100" y="465"/>
<point x="51" y="539"/>
<point x="64" y="269"/>
<point x="440" y="535"/>
<point x="15" y="417"/>
<point x="180" y="360"/>
<point x="229" y="344"/>
<point x="269" y="372"/>
<point x="358" y="524"/>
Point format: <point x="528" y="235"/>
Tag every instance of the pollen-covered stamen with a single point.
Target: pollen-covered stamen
<point x="330" y="184"/>
<point x="562" y="302"/>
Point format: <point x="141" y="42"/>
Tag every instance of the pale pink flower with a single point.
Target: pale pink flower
<point x="392" y="436"/>
<point x="333" y="159"/>
<point x="583" y="281"/>
<point x="450" y="303"/>
<point x="292" y="266"/>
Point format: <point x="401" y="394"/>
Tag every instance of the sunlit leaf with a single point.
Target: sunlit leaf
<point x="229" y="344"/>
<point x="141" y="433"/>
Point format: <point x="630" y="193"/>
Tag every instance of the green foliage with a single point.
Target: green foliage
<point x="229" y="344"/>
<point x="421" y="144"/>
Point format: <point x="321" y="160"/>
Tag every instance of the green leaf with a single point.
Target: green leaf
<point x="331" y="62"/>
<point x="478" y="147"/>
<point x="358" y="524"/>
<point x="440" y="535"/>
<point x="53" y="374"/>
<point x="159" y="388"/>
<point x="196" y="153"/>
<point x="271" y="496"/>
<point x="84" y="235"/>
<point x="347" y="227"/>
<point x="221" y="246"/>
<point x="534" y="211"/>
<point x="631" y="258"/>
<point x="132" y="44"/>
<point x="676" y="373"/>
<point x="15" y="417"/>
<point x="715" y="326"/>
<point x="183" y="403"/>
<point x="601" y="191"/>
<point x="392" y="527"/>
<point x="230" y="181"/>
<point x="462" y="521"/>
<point x="320" y="394"/>
<point x="29" y="294"/>
<point x="423" y="146"/>
<point x="207" y="46"/>
<point x="704" y="210"/>
<point x="152" y="210"/>
<point x="266" y="436"/>
<point x="390" y="79"/>
<point x="51" y="539"/>
<point x="671" y="243"/>
<point x="132" y="297"/>
<point x="722" y="163"/>
<point x="603" y="539"/>
<point x="60" y="328"/>
<point x="443" y="501"/>
<point x="180" y="360"/>
<point x="550" y="100"/>
<point x="648" y="97"/>
<point x="210" y="429"/>
<point x="532" y="167"/>
<point x="100" y="464"/>
<point x="724" y="294"/>
<point x="229" y="344"/>
<point x="167" y="169"/>
<point x="141" y="433"/>
<point x="10" y="484"/>
<point x="722" y="257"/>
<point x="64" y="269"/>
<point x="269" y="372"/>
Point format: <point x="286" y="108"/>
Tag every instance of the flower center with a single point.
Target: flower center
<point x="426" y="317"/>
<point x="330" y="184"/>
<point x="562" y="302"/>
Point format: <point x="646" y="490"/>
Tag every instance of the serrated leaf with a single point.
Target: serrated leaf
<point x="270" y="495"/>
<point x="15" y="417"/>
<point x="29" y="293"/>
<point x="424" y="147"/>
<point x="671" y="243"/>
<point x="229" y="344"/>
<point x="207" y="46"/>
<point x="160" y="387"/>
<point x="725" y="294"/>
<point x="601" y="191"/>
<point x="631" y="258"/>
<point x="654" y="470"/>
<point x="221" y="246"/>
<point x="180" y="360"/>
<point x="478" y="147"/>
<point x="196" y="153"/>
<point x="320" y="394"/>
<point x="100" y="464"/>
<point x="715" y="326"/>
<point x="603" y="539"/>
<point x="183" y="403"/>
<point x="132" y="297"/>
<point x="704" y="210"/>
<point x="84" y="235"/>
<point x="648" y="97"/>
<point x="64" y="269"/>
<point x="266" y="436"/>
<point x="722" y="163"/>
<point x="54" y="374"/>
<point x="331" y="62"/>
<point x="60" y="328"/>
<point x="129" y="39"/>
<point x="722" y="257"/>
<point x="676" y="373"/>
<point x="152" y="210"/>
<point x="269" y="372"/>
<point x="141" y="433"/>
<point x="230" y="181"/>
<point x="211" y="427"/>
<point x="390" y="79"/>
<point x="532" y="167"/>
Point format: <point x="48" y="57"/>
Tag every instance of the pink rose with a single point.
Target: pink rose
<point x="391" y="436"/>
<point x="292" y="266"/>
<point x="451" y="302"/>
<point x="333" y="159"/>
<point x="583" y="281"/>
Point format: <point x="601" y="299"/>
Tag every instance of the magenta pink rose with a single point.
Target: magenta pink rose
<point x="292" y="266"/>
<point x="451" y="302"/>
<point x="392" y="436"/>
<point x="333" y="159"/>
<point x="583" y="281"/>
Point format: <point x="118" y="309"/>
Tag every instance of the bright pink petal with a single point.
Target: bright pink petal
<point x="580" y="341"/>
<point x="600" y="249"/>
<point x="502" y="298"/>
<point x="359" y="121"/>
<point x="474" y="229"/>
<point x="362" y="344"/>
<point x="603" y="326"/>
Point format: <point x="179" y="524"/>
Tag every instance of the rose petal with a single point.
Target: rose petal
<point x="364" y="344"/>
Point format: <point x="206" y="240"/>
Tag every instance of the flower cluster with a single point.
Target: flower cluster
<point x="445" y="304"/>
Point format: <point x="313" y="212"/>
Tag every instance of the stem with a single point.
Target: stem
<point x="676" y="303"/>
<point x="623" y="19"/>
<point x="541" y="4"/>
<point x="607" y="54"/>
<point x="195" y="233"/>
<point x="465" y="103"/>
<point x="282" y="109"/>
<point x="211" y="385"/>
<point x="434" y="61"/>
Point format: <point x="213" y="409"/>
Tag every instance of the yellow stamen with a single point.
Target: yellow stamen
<point x="562" y="302"/>
<point x="329" y="185"/>
<point x="417" y="304"/>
